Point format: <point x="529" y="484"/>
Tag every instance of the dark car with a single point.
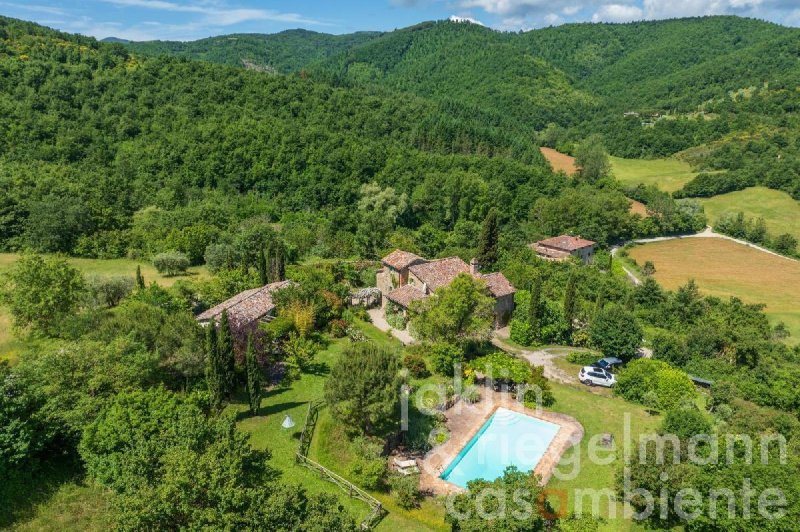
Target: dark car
<point x="608" y="363"/>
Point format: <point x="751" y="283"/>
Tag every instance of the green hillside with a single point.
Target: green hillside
<point x="781" y="213"/>
<point x="287" y="51"/>
<point x="93" y="134"/>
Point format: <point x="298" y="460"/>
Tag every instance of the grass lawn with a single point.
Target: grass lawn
<point x="724" y="268"/>
<point x="780" y="211"/>
<point x="11" y="346"/>
<point x="667" y="174"/>
<point x="330" y="446"/>
<point x="598" y="415"/>
<point x="266" y="431"/>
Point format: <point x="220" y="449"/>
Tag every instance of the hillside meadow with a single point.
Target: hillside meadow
<point x="779" y="210"/>
<point x="726" y="269"/>
<point x="667" y="174"/>
<point x="10" y="346"/>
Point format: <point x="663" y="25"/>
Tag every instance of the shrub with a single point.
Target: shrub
<point x="471" y="394"/>
<point x="583" y="358"/>
<point x="368" y="469"/>
<point x="685" y="422"/>
<point x="281" y="327"/>
<point x="405" y="490"/>
<point x="444" y="357"/>
<point x="416" y="366"/>
<point x="395" y="317"/>
<point x="171" y="263"/>
<point x="339" y="328"/>
<point x="643" y="377"/>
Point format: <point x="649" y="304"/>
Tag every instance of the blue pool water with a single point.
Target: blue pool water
<point x="507" y="438"/>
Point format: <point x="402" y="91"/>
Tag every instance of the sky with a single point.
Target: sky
<point x="195" y="19"/>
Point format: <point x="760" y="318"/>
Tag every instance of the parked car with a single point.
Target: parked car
<point x="608" y="363"/>
<point x="592" y="376"/>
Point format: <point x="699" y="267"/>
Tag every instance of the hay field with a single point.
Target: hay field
<point x="559" y="162"/>
<point x="723" y="268"/>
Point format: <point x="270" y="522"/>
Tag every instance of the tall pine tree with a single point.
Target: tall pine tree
<point x="569" y="302"/>
<point x="227" y="361"/>
<point x="214" y="378"/>
<point x="253" y="377"/>
<point x="487" y="245"/>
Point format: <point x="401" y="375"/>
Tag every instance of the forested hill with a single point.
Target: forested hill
<point x="92" y="134"/>
<point x="284" y="52"/>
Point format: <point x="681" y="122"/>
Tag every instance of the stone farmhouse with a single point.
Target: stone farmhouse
<point x="406" y="277"/>
<point x="560" y="248"/>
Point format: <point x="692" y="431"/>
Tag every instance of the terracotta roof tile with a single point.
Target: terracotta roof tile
<point x="405" y="295"/>
<point x="498" y="285"/>
<point x="566" y="243"/>
<point x="399" y="259"/>
<point x="247" y="306"/>
<point x="439" y="273"/>
<point x="550" y="252"/>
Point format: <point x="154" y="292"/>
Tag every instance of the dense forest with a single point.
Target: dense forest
<point x="650" y="88"/>
<point x="107" y="154"/>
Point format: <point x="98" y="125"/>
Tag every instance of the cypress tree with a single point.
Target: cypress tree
<point x="600" y="302"/>
<point x="139" y="278"/>
<point x="569" y="302"/>
<point x="263" y="278"/>
<point x="487" y="245"/>
<point x="213" y="376"/>
<point x="253" y="377"/>
<point x="227" y="362"/>
<point x="534" y="308"/>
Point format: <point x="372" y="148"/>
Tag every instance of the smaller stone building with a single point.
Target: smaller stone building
<point x="246" y="308"/>
<point x="560" y="248"/>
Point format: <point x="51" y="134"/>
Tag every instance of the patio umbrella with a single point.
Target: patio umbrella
<point x="288" y="422"/>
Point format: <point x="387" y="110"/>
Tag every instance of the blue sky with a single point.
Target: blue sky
<point x="193" y="19"/>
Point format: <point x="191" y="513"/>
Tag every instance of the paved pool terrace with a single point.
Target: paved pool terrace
<point x="465" y="421"/>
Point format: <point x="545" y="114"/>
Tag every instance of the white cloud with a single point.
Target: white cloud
<point x="516" y="14"/>
<point x="217" y="14"/>
<point x="457" y="18"/>
<point x="35" y="8"/>
<point x="617" y="13"/>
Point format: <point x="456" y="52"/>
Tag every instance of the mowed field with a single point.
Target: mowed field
<point x="559" y="162"/>
<point x="10" y="345"/>
<point x="723" y="268"/>
<point x="667" y="174"/>
<point x="780" y="211"/>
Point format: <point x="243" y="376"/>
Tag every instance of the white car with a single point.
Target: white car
<point x="592" y="376"/>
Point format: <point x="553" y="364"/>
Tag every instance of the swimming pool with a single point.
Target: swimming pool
<point x="507" y="438"/>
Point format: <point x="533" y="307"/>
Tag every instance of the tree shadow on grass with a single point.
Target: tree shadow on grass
<point x="21" y="492"/>
<point x="270" y="410"/>
<point x="318" y="369"/>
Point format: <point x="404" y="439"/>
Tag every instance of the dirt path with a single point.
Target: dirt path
<point x="542" y="357"/>
<point x="709" y="232"/>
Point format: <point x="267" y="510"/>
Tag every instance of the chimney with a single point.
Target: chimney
<point x="474" y="267"/>
<point x="424" y="288"/>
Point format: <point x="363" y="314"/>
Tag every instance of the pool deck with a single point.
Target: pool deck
<point x="464" y="421"/>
